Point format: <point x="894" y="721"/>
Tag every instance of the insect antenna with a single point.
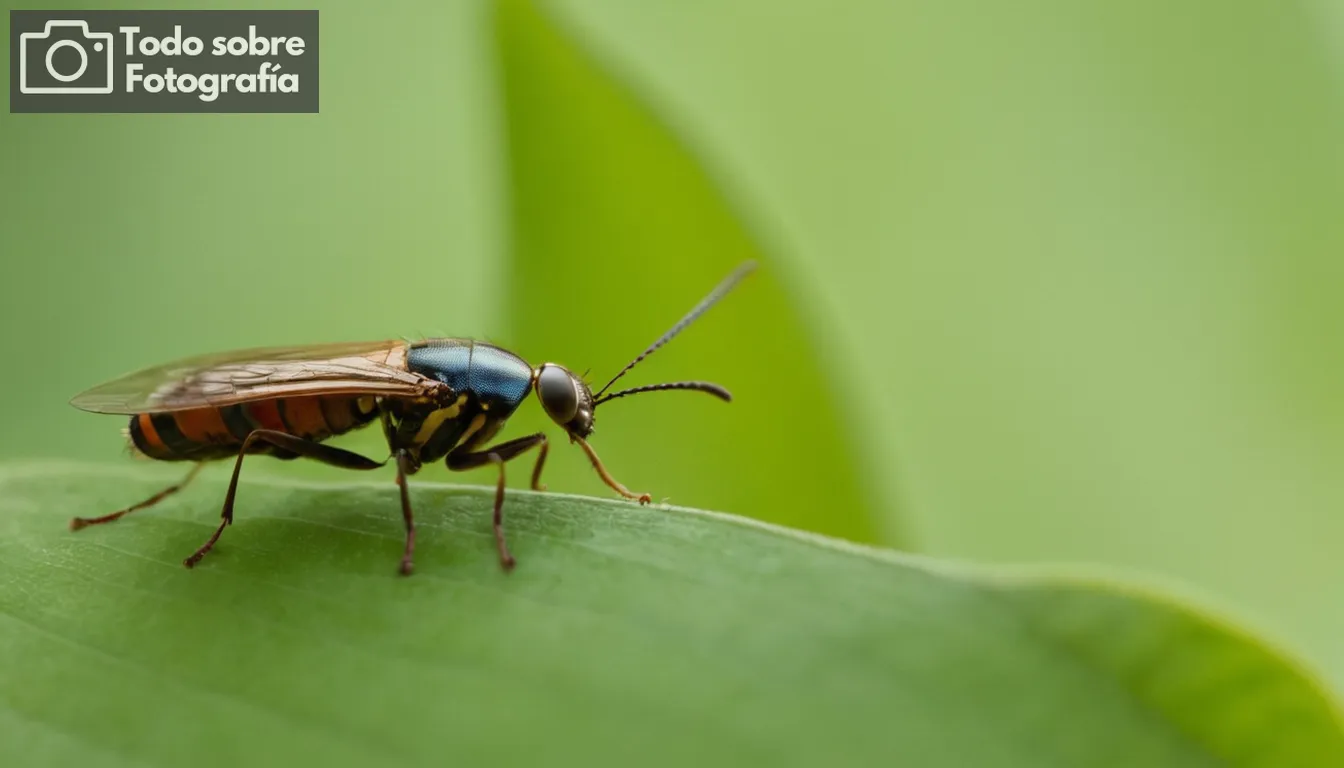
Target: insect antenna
<point x="695" y="386"/>
<point x="699" y="309"/>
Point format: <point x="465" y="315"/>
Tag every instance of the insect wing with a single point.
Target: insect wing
<point x="226" y="378"/>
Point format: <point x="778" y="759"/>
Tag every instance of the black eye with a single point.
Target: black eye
<point x="555" y="387"/>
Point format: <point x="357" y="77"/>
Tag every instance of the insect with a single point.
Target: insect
<point x="442" y="398"/>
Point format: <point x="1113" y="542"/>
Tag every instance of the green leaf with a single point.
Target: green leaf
<point x="627" y="635"/>
<point x="616" y="230"/>
<point x="1093" y="266"/>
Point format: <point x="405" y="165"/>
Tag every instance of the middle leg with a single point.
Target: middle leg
<point x="406" y="465"/>
<point x="497" y="455"/>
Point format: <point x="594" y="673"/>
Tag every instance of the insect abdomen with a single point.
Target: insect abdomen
<point x="202" y="434"/>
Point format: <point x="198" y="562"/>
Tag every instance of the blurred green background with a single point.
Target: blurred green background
<point x="1055" y="282"/>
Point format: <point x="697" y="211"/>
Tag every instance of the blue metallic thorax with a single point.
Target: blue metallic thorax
<point x="494" y="375"/>
<point x="489" y="383"/>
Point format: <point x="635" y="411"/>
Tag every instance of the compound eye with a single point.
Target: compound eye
<point x="559" y="396"/>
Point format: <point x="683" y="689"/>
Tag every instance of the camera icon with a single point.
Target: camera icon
<point x="39" y="72"/>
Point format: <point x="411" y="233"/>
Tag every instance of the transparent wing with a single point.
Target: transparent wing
<point x="226" y="378"/>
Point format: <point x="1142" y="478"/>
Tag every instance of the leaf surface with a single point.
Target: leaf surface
<point x="657" y="636"/>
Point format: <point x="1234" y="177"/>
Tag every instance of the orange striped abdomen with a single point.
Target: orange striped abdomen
<point x="202" y="434"/>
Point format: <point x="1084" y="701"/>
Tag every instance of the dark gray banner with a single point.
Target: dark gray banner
<point x="163" y="61"/>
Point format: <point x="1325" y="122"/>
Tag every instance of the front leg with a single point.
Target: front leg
<point x="613" y="483"/>
<point x="460" y="461"/>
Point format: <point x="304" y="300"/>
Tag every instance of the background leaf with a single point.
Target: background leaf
<point x="1083" y="260"/>
<point x="657" y="636"/>
<point x="609" y="211"/>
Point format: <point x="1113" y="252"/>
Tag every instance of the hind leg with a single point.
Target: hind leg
<point x="82" y="522"/>
<point x="326" y="454"/>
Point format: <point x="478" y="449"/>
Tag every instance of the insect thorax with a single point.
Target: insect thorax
<point x="430" y="432"/>
<point x="490" y="384"/>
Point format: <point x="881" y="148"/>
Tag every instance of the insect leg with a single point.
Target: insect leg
<point x="497" y="455"/>
<point x="326" y="454"/>
<point x="613" y="483"/>
<point x="405" y="466"/>
<point x="80" y="522"/>
<point x="537" y="485"/>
